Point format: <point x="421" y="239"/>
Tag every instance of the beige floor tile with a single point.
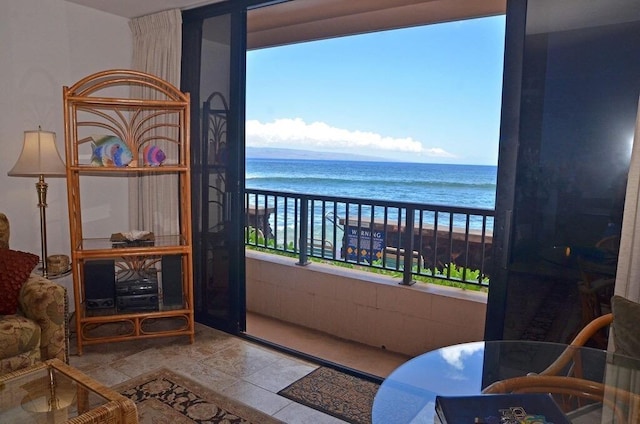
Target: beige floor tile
<point x="247" y="371"/>
<point x="280" y="374"/>
<point x="242" y="360"/>
<point x="105" y="352"/>
<point x="146" y="361"/>
<point x="106" y="375"/>
<point x="368" y="359"/>
<point x="256" y="397"/>
<point x="295" y="413"/>
<point x="209" y="377"/>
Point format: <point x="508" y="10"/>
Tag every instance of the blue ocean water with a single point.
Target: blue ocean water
<point x="472" y="186"/>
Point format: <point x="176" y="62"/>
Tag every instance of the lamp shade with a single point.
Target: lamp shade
<point x="39" y="156"/>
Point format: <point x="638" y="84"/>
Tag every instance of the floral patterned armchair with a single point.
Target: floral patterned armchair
<point x="38" y="329"/>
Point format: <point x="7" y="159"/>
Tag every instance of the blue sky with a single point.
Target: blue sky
<point x="423" y="94"/>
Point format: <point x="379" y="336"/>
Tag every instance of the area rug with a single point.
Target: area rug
<point x="335" y="393"/>
<point x="163" y="397"/>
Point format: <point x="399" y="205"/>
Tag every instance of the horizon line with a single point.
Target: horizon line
<point x="370" y="160"/>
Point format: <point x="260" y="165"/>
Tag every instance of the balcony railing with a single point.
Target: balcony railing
<point x="446" y="242"/>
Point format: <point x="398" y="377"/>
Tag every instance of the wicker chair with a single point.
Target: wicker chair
<point x="564" y="379"/>
<point x="570" y="357"/>
<point x="573" y="393"/>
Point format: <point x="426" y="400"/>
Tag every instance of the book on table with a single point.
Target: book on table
<point x="516" y="408"/>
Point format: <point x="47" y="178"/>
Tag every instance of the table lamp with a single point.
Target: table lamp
<point x="40" y="158"/>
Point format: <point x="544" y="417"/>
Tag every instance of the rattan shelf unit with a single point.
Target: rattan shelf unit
<point x="138" y="114"/>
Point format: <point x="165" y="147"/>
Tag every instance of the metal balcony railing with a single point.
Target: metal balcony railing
<point x="446" y="242"/>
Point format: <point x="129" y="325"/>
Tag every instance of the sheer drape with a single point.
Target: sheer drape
<point x="628" y="273"/>
<point x="157" y="49"/>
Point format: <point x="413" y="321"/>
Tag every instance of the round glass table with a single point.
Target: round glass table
<point x="408" y="394"/>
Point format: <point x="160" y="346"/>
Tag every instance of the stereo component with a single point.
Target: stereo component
<point x="137" y="290"/>
<point x="171" y="277"/>
<point x="99" y="277"/>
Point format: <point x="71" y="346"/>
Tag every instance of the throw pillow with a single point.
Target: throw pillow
<point x="626" y="316"/>
<point x="15" y="267"/>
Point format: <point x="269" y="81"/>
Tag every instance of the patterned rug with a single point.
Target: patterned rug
<point x="163" y="397"/>
<point x="335" y="393"/>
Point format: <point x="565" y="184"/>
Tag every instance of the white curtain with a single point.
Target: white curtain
<point x="157" y="49"/>
<point x="628" y="273"/>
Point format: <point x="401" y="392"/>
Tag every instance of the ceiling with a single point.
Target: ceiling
<point x="135" y="8"/>
<point x="305" y="20"/>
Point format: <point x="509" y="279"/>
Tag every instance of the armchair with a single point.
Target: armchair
<point x="622" y="322"/>
<point x="570" y="357"/>
<point x="574" y="393"/>
<point x="564" y="377"/>
<point x="38" y="329"/>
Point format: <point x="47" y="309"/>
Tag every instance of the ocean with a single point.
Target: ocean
<point x="469" y="186"/>
<point x="472" y="186"/>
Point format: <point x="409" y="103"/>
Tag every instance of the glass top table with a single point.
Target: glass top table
<point x="408" y="394"/>
<point x="53" y="392"/>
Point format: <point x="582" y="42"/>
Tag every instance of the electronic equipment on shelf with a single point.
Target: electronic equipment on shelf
<point x="137" y="290"/>
<point x="99" y="284"/>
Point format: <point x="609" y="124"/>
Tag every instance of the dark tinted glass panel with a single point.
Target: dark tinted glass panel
<point x="580" y="86"/>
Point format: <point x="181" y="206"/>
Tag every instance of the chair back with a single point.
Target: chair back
<point x="573" y="393"/>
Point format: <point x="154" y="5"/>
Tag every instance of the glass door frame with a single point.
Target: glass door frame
<point x="233" y="318"/>
<point x="507" y="166"/>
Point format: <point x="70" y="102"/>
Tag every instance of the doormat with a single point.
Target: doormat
<point x="164" y="397"/>
<point x="335" y="393"/>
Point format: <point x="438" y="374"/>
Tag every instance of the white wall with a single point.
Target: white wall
<point x="45" y="45"/>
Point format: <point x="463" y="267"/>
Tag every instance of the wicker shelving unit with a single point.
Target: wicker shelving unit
<point x="103" y="103"/>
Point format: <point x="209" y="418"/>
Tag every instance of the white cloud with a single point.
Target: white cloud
<point x="437" y="152"/>
<point x="297" y="134"/>
<point x="455" y="355"/>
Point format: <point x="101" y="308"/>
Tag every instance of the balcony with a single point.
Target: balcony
<point x="377" y="295"/>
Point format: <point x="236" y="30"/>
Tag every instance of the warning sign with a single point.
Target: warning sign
<point x="363" y="237"/>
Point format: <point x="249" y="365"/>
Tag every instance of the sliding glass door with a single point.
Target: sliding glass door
<point x="571" y="85"/>
<point x="214" y="74"/>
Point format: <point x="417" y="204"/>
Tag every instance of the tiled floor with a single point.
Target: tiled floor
<point x="367" y="359"/>
<point x="239" y="368"/>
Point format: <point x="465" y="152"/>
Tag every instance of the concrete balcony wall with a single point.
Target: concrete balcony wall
<point x="362" y="306"/>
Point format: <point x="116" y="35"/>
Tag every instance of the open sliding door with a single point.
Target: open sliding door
<point x="570" y="95"/>
<point x="213" y="71"/>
